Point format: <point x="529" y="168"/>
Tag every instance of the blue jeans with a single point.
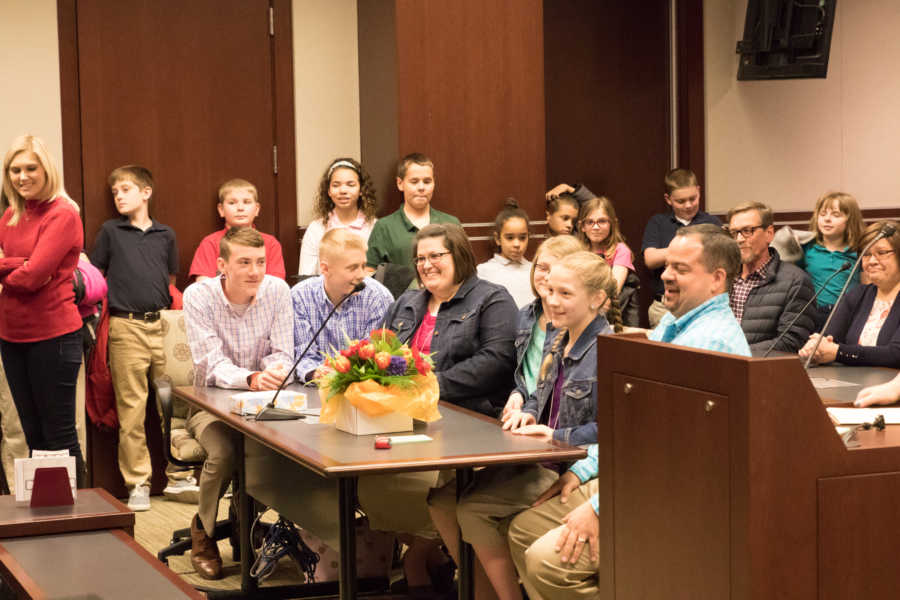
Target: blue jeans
<point x="42" y="378"/>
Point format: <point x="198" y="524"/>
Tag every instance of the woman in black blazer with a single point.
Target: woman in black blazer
<point x="865" y="330"/>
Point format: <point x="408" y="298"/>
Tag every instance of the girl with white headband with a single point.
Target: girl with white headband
<point x="346" y="199"/>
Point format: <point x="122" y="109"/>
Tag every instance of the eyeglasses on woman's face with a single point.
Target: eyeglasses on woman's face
<point x="432" y="257"/>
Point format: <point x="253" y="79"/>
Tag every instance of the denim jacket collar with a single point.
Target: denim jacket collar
<point x="588" y="337"/>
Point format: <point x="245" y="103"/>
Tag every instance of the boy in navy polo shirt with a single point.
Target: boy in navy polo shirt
<point x="139" y="257"/>
<point x="683" y="197"/>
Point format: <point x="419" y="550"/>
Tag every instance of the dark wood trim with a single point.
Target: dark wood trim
<point x="70" y="99"/>
<point x="15" y="576"/>
<point x="162" y="569"/>
<point x="118" y="516"/>
<point x="283" y="131"/>
<point x="691" y="117"/>
<point x="796" y="217"/>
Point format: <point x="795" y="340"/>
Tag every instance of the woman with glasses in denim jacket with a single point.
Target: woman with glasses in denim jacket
<point x="469" y="326"/>
<point x="865" y="329"/>
<point x="580" y="289"/>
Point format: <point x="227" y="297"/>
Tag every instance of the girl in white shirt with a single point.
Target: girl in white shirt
<point x="346" y="198"/>
<point x="509" y="267"/>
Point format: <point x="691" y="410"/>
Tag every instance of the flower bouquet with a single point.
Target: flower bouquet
<point x="378" y="385"/>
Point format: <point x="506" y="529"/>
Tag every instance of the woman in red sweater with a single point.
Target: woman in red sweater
<point x="40" y="339"/>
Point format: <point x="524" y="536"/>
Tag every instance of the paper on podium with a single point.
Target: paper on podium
<point x="25" y="468"/>
<point x="855" y="416"/>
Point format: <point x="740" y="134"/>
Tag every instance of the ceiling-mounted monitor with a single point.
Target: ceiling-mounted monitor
<point x="786" y="39"/>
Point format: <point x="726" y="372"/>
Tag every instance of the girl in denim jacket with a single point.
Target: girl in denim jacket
<point x="564" y="407"/>
<point x="534" y="319"/>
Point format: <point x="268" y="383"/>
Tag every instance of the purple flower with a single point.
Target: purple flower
<point x="397" y="366"/>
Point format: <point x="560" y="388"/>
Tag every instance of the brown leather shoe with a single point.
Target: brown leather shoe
<point x="205" y="556"/>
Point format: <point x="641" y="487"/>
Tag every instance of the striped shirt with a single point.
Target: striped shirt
<point x="229" y="344"/>
<point x="710" y="326"/>
<point x="355" y="319"/>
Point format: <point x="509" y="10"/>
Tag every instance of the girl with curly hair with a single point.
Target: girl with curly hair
<point x="346" y="199"/>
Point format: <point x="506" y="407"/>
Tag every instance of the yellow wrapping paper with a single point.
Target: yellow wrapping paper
<point x="418" y="400"/>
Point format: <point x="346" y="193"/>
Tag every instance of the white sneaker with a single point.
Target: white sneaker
<point x="183" y="490"/>
<point x="139" y="498"/>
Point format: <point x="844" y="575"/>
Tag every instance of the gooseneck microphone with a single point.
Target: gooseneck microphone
<point x="886" y="231"/>
<point x="843" y="268"/>
<point x="271" y="412"/>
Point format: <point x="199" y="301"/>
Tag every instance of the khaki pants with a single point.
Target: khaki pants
<point x="218" y="440"/>
<point x="399" y="502"/>
<point x="13" y="445"/>
<point x="495" y="496"/>
<point x="532" y="540"/>
<point x="135" y="349"/>
<point x="656" y="312"/>
<point x="80" y="392"/>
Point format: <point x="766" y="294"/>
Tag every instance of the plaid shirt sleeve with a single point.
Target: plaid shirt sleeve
<point x="212" y="366"/>
<point x="281" y="336"/>
<point x="306" y="319"/>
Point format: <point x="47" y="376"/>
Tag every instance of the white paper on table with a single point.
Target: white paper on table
<point x="409" y="439"/>
<point x="823" y="383"/>
<point x="855" y="416"/>
<point x="25" y="468"/>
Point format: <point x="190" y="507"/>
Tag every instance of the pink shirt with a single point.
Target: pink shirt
<point x="422" y="340"/>
<point x="621" y="257"/>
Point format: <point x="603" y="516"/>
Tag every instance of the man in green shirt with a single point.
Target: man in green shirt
<point x="391" y="238"/>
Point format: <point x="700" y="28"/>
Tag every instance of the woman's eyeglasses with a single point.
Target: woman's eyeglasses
<point x="433" y="258"/>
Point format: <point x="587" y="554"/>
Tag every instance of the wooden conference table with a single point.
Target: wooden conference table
<point x="331" y="462"/>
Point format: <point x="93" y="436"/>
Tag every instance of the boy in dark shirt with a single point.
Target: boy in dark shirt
<point x="139" y="257"/>
<point x="683" y="197"/>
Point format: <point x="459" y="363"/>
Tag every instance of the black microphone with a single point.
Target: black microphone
<point x="843" y="268"/>
<point x="887" y="230"/>
<point x="270" y="412"/>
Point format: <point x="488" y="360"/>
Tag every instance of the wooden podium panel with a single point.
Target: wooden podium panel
<point x="661" y="477"/>
<point x="744" y="498"/>
<point x="859" y="536"/>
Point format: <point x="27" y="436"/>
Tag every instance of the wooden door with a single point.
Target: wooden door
<point x="187" y="90"/>
<point x="199" y="92"/>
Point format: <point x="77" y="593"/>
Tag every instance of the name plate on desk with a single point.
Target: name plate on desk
<point x="26" y="467"/>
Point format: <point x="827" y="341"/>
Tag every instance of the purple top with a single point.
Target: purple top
<point x="553" y="420"/>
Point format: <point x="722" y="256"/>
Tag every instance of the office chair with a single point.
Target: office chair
<point x="191" y="455"/>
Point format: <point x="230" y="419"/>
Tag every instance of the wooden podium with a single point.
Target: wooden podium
<point x="722" y="477"/>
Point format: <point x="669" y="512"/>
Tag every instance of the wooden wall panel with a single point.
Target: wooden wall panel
<point x="608" y="112"/>
<point x="378" y="114"/>
<point x="470" y="94"/>
<point x="690" y="78"/>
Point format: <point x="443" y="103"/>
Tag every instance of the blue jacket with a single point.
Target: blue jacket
<point x="473" y="344"/>
<point x="578" y="408"/>
<point x="528" y="314"/>
<point x="848" y="322"/>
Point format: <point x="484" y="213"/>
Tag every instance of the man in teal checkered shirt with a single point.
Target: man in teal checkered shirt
<point x="556" y="549"/>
